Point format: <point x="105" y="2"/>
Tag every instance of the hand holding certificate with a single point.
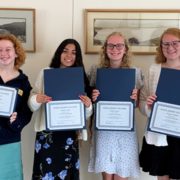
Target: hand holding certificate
<point x="165" y="115"/>
<point x="7" y="100"/>
<point x="66" y="111"/>
<point x="115" y="109"/>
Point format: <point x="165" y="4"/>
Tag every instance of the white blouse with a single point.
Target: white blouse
<point x="39" y="108"/>
<point x="150" y="85"/>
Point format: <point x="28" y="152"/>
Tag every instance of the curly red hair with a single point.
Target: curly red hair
<point x="21" y="56"/>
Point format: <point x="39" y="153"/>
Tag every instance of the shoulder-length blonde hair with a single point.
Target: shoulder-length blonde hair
<point x="21" y="56"/>
<point x="160" y="58"/>
<point x="104" y="59"/>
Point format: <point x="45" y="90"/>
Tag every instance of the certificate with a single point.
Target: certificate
<point x="114" y="115"/>
<point x="165" y="119"/>
<point x="114" y="107"/>
<point x="66" y="111"/>
<point x="65" y="115"/>
<point x="7" y="100"/>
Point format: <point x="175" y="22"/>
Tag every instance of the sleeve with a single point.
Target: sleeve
<point x="38" y="88"/>
<point x="83" y="134"/>
<point x="23" y="111"/>
<point x="89" y="111"/>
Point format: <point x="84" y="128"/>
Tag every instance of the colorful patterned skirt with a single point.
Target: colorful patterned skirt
<point x="11" y="162"/>
<point x="56" y="156"/>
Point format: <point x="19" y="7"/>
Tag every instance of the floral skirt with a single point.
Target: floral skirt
<point x="56" y="156"/>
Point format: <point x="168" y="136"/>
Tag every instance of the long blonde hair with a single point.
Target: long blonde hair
<point x="104" y="59"/>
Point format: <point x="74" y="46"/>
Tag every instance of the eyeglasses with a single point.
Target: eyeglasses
<point x="118" y="46"/>
<point x="174" y="44"/>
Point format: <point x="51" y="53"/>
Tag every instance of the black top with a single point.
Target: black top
<point x="11" y="132"/>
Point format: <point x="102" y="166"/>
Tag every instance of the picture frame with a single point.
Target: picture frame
<point x="142" y="28"/>
<point x="21" y="23"/>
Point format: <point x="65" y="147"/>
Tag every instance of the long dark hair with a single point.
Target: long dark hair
<point x="56" y="63"/>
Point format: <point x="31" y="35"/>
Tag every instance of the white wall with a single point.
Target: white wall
<point x="55" y="21"/>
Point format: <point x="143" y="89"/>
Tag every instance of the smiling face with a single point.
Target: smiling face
<point x="171" y="47"/>
<point x="68" y="56"/>
<point x="115" y="48"/>
<point x="7" y="53"/>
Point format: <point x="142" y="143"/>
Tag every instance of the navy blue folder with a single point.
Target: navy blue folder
<point x="168" y="88"/>
<point x="115" y="84"/>
<point x="168" y="91"/>
<point x="64" y="83"/>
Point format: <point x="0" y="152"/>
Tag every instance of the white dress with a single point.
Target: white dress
<point x="115" y="152"/>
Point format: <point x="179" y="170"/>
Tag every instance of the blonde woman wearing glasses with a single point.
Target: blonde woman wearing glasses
<point x="114" y="153"/>
<point x="160" y="154"/>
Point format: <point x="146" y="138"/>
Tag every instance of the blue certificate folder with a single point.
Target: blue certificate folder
<point x="64" y="83"/>
<point x="168" y="91"/>
<point x="115" y="84"/>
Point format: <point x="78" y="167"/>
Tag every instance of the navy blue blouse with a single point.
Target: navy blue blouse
<point x="11" y="132"/>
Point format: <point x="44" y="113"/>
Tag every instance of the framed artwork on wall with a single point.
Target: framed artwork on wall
<point x="21" y="23"/>
<point x="142" y="28"/>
